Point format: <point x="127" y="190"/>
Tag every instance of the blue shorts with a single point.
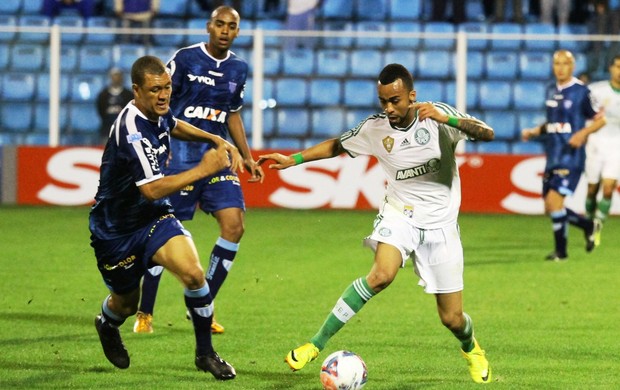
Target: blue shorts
<point x="123" y="261"/>
<point x="213" y="193"/>
<point x="564" y="181"/>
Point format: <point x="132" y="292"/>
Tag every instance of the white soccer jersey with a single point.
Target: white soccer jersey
<point x="603" y="159"/>
<point x="419" y="164"/>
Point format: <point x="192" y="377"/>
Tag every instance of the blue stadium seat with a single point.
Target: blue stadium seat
<point x="79" y="139"/>
<point x="332" y="63"/>
<point x="371" y="9"/>
<point x="101" y="37"/>
<point x="18" y="86"/>
<point x="268" y="91"/>
<point x="339" y="41"/>
<point x="506" y="43"/>
<point x="471" y="94"/>
<point x="33" y="21"/>
<point x="268" y="122"/>
<point x="43" y="87"/>
<point x="405" y="27"/>
<point x="529" y="147"/>
<point x="70" y="22"/>
<point x="284" y="143"/>
<point x="337" y="9"/>
<point x="581" y="62"/>
<point x="504" y="124"/>
<point x="83" y="118"/>
<point x="293" y="122"/>
<point x="291" y="91"/>
<point x="36" y="139"/>
<point x="10" y="7"/>
<point x="31" y="7"/>
<point x="85" y="87"/>
<point x="176" y="39"/>
<point x="26" y="56"/>
<point x="366" y="63"/>
<point x="531" y="118"/>
<point x="494" y="147"/>
<point x="200" y="24"/>
<point x="495" y="95"/>
<point x="4" y="56"/>
<point x="430" y="90"/>
<point x="355" y="116"/>
<point x="68" y="59"/>
<point x="7" y="21"/>
<point x="325" y="92"/>
<point x="41" y="117"/>
<point x="16" y="116"/>
<point x="476" y="65"/>
<point x="244" y="39"/>
<point x="359" y="93"/>
<point x="377" y="30"/>
<point x="546" y="43"/>
<point x="173" y="8"/>
<point x="125" y="54"/>
<point x="11" y="139"/>
<point x="529" y="95"/>
<point x="501" y="65"/>
<point x="435" y="64"/>
<point x="298" y="62"/>
<point x="95" y="58"/>
<point x="272" y="62"/>
<point x="432" y="42"/>
<point x="271" y="25"/>
<point x="407" y="58"/>
<point x="471" y="147"/>
<point x="569" y="30"/>
<point x="535" y="65"/>
<point x="327" y="122"/>
<point x="475" y="28"/>
<point x="162" y="52"/>
<point x="405" y="10"/>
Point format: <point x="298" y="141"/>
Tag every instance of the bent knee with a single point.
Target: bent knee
<point x="380" y="280"/>
<point x="193" y="279"/>
<point x="452" y="321"/>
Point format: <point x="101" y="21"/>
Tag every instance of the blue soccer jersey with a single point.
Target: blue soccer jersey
<point x="134" y="155"/>
<point x="568" y="109"/>
<point x="205" y="90"/>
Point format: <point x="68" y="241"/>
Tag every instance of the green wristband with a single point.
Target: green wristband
<point x="453" y="121"/>
<point x="298" y="158"/>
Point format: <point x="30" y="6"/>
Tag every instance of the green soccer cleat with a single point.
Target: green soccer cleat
<point x="478" y="365"/>
<point x="299" y="357"/>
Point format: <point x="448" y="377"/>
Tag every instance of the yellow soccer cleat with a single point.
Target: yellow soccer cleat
<point x="216" y="327"/>
<point x="598" y="227"/>
<point x="299" y="357"/>
<point x="144" y="323"/>
<point x="478" y="365"/>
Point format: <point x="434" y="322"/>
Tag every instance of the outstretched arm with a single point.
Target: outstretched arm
<point x="326" y="149"/>
<point x="474" y="128"/>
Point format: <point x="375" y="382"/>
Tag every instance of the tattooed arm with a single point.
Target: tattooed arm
<point x="473" y="127"/>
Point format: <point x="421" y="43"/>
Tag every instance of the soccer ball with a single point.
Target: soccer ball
<point x="343" y="370"/>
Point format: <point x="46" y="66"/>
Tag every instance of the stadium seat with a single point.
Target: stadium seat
<point x="529" y="147"/>
<point x="83" y="118"/>
<point x="293" y="122"/>
<point x="162" y="52"/>
<point x="325" y="92"/>
<point x="430" y="91"/>
<point x="494" y="147"/>
<point x="79" y="139"/>
<point x="268" y="122"/>
<point x="18" y="86"/>
<point x="475" y="43"/>
<point x="85" y="87"/>
<point x="31" y="7"/>
<point x="371" y="9"/>
<point x="571" y="31"/>
<point x="100" y="37"/>
<point x="535" y="65"/>
<point x="407" y="58"/>
<point x="41" y="117"/>
<point x="360" y="93"/>
<point x="4" y="56"/>
<point x="495" y="95"/>
<point x="27" y="57"/>
<point x="16" y="116"/>
<point x="531" y="118"/>
<point x="68" y="59"/>
<point x="581" y="63"/>
<point x="501" y="65"/>
<point x="471" y="94"/>
<point x="11" y="139"/>
<point x="504" y="124"/>
<point x="409" y="43"/>
<point x="327" y="122"/>
<point x="272" y="62"/>
<point x="70" y="22"/>
<point x="125" y="54"/>
<point x="376" y="39"/>
<point x="175" y="39"/>
<point x="355" y="116"/>
<point x="506" y="43"/>
<point x="10" y="7"/>
<point x="268" y="25"/>
<point x="339" y="40"/>
<point x="200" y="25"/>
<point x="435" y="42"/>
<point x="95" y="58"/>
<point x="7" y="37"/>
<point x="529" y="95"/>
<point x="405" y="10"/>
<point x="476" y="65"/>
<point x="471" y="147"/>
<point x="298" y="62"/>
<point x="337" y="9"/>
<point x="284" y="143"/>
<point x="434" y="64"/>
<point x="244" y="39"/>
<point x="32" y="36"/>
<point x="366" y="63"/>
<point x="547" y="43"/>
<point x="291" y="92"/>
<point x="43" y="87"/>
<point x="173" y="9"/>
<point x="332" y="63"/>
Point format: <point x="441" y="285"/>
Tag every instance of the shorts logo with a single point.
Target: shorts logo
<point x="422" y="136"/>
<point x="388" y="143"/>
<point x="385" y="232"/>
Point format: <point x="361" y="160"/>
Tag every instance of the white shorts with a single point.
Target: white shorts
<point x="602" y="162"/>
<point x="437" y="254"/>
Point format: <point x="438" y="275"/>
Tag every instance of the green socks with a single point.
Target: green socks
<point x="466" y="335"/>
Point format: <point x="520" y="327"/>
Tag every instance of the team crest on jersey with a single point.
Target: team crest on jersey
<point x="568" y="104"/>
<point x="422" y="136"/>
<point x="388" y="143"/>
<point x="232" y="86"/>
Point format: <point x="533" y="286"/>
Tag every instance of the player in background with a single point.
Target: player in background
<point x="132" y="223"/>
<point x="603" y="148"/>
<point x="207" y="91"/>
<point x="415" y="145"/>
<point x="569" y="106"/>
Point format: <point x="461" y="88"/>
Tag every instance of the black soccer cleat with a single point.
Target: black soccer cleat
<point x="112" y="343"/>
<point x="218" y="367"/>
<point x="554" y="256"/>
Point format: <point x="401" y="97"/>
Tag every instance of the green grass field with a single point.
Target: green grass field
<point x="543" y="325"/>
